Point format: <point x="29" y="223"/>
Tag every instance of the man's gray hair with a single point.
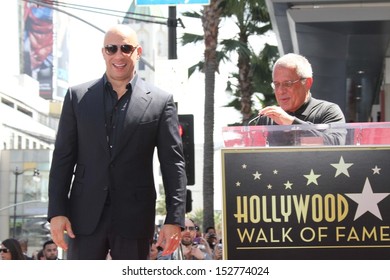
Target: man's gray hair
<point x="299" y="62"/>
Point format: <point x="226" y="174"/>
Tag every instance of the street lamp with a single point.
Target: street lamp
<point x="36" y="178"/>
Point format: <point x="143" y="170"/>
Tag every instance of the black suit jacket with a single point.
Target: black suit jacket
<point x="83" y="172"/>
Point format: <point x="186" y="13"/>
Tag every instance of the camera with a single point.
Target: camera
<point x="196" y="240"/>
<point x="197" y="244"/>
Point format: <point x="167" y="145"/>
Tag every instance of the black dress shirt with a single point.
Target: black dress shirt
<point x="115" y="111"/>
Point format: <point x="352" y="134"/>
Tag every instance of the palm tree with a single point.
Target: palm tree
<point x="210" y="16"/>
<point x="210" y="21"/>
<point x="261" y="67"/>
<point x="251" y="18"/>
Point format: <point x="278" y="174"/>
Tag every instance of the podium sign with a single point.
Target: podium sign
<point x="323" y="202"/>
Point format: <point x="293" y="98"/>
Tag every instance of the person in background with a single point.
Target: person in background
<point x="292" y="80"/>
<point x="50" y="250"/>
<point x="101" y="183"/>
<point x="24" y="244"/>
<point x="212" y="240"/>
<point x="187" y="249"/>
<point x="211" y="237"/>
<point x="218" y="251"/>
<point x="39" y="255"/>
<point x="10" y="249"/>
<point x="209" y="230"/>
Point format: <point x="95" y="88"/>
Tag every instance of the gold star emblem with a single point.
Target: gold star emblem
<point x="312" y="178"/>
<point x="376" y="170"/>
<point x="288" y="185"/>
<point x="342" y="167"/>
<point x="256" y="175"/>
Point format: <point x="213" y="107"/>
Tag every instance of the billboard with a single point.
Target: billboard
<point x="45" y="49"/>
<point x="60" y="55"/>
<point x="38" y="46"/>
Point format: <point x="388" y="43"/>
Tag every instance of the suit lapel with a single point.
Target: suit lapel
<point x="139" y="102"/>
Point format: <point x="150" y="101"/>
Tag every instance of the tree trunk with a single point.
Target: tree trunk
<point x="245" y="85"/>
<point x="210" y="21"/>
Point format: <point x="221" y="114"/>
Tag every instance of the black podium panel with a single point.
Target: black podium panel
<point x="306" y="203"/>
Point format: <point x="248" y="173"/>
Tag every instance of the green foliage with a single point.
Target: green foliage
<point x="192" y="14"/>
<point x="252" y="19"/>
<point x="197" y="217"/>
<point x="193" y="68"/>
<point x="189" y="38"/>
<point x="262" y="73"/>
<point x="160" y="205"/>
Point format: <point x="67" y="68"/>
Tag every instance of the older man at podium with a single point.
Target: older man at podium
<point x="292" y="79"/>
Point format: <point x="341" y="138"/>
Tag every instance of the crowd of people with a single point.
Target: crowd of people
<point x="194" y="245"/>
<point x="14" y="249"/>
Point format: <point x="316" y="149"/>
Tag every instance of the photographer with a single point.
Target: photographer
<point x="218" y="251"/>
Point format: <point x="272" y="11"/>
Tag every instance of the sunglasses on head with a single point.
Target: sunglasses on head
<point x="112" y="49"/>
<point x="4" y="250"/>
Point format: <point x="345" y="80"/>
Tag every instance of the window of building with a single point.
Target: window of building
<point x="25" y="111"/>
<point x="19" y="142"/>
<point x="12" y="141"/>
<point x="7" y="102"/>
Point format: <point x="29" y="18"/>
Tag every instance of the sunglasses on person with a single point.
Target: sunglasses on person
<point x="4" y="250"/>
<point x="112" y="49"/>
<point x="190" y="228"/>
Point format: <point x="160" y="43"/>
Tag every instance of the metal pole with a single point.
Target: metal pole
<point x="17" y="173"/>
<point x="172" y="24"/>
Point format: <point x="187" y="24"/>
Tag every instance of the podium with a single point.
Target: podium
<point x="306" y="192"/>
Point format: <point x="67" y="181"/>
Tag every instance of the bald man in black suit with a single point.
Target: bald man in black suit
<point x="101" y="186"/>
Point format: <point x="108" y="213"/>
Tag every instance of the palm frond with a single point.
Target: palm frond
<point x="189" y="38"/>
<point x="192" y="14"/>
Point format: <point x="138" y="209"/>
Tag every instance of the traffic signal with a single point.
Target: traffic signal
<point x="189" y="201"/>
<point x="186" y="129"/>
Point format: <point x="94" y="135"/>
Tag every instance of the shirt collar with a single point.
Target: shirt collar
<point x="130" y="85"/>
<point x="304" y="109"/>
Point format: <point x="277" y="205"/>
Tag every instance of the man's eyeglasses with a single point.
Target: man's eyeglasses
<point x="112" y="49"/>
<point x="4" y="250"/>
<point x="190" y="228"/>
<point x="286" y="84"/>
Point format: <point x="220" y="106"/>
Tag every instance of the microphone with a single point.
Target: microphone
<point x="254" y="119"/>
